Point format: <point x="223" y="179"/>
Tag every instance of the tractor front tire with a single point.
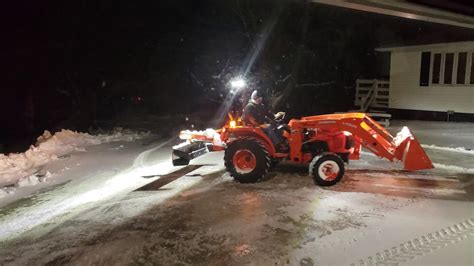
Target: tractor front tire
<point x="327" y="169"/>
<point x="247" y="160"/>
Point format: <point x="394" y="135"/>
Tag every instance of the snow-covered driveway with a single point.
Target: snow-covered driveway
<point x="129" y="206"/>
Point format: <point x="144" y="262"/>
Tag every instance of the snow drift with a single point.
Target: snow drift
<point x="22" y="168"/>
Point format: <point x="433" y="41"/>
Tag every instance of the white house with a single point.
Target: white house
<point x="433" y="78"/>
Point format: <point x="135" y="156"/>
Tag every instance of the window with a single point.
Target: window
<point x="425" y="69"/>
<point x="436" y="69"/>
<point x="448" y="68"/>
<point x="461" y="73"/>
<point x="471" y="81"/>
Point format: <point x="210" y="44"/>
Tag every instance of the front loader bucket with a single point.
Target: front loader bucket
<point x="186" y="151"/>
<point x="410" y="152"/>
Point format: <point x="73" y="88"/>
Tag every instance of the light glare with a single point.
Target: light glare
<point x="238" y="83"/>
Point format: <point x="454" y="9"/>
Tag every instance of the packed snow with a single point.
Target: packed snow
<point x="378" y="214"/>
<point x="25" y="169"/>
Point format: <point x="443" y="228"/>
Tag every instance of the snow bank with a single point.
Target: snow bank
<point x="441" y="134"/>
<point x="22" y="169"/>
<point x="120" y="134"/>
<point x="458" y="149"/>
<point x="453" y="168"/>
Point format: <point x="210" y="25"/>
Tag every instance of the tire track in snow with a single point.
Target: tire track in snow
<point x="422" y="245"/>
<point x="95" y="188"/>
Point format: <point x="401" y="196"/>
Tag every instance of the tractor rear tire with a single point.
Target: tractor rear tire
<point x="327" y="169"/>
<point x="247" y="160"/>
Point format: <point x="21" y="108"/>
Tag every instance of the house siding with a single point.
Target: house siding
<point x="406" y="92"/>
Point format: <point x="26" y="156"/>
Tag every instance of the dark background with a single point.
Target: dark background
<point x="84" y="64"/>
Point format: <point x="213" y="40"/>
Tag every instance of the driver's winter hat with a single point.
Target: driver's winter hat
<point x="255" y="95"/>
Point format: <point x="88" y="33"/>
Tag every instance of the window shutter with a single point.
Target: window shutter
<point x="436" y="69"/>
<point x="425" y="69"/>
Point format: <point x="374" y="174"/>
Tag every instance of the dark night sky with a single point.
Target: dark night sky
<point x="78" y="63"/>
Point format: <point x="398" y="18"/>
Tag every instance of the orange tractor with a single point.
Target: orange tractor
<point x="323" y="142"/>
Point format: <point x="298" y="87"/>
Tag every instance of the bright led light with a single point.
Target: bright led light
<point x="232" y="124"/>
<point x="238" y="83"/>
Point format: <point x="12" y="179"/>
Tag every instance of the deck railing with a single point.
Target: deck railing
<point x="372" y="93"/>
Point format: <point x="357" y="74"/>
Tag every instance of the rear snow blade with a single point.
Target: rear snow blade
<point x="185" y="152"/>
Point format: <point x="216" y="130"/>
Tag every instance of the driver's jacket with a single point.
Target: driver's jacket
<point x="256" y="114"/>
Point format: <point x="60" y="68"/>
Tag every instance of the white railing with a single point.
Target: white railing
<point x="372" y="93"/>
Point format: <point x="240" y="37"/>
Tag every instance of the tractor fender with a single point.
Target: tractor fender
<point x="256" y="133"/>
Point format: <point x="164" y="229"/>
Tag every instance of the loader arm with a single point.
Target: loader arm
<point x="368" y="133"/>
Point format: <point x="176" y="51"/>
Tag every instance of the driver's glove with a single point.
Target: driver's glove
<point x="279" y="115"/>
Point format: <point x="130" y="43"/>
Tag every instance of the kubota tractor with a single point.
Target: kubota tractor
<point x="323" y="142"/>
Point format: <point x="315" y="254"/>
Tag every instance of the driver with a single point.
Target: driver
<point x="256" y="114"/>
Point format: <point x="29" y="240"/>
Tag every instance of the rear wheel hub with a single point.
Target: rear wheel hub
<point x="244" y="161"/>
